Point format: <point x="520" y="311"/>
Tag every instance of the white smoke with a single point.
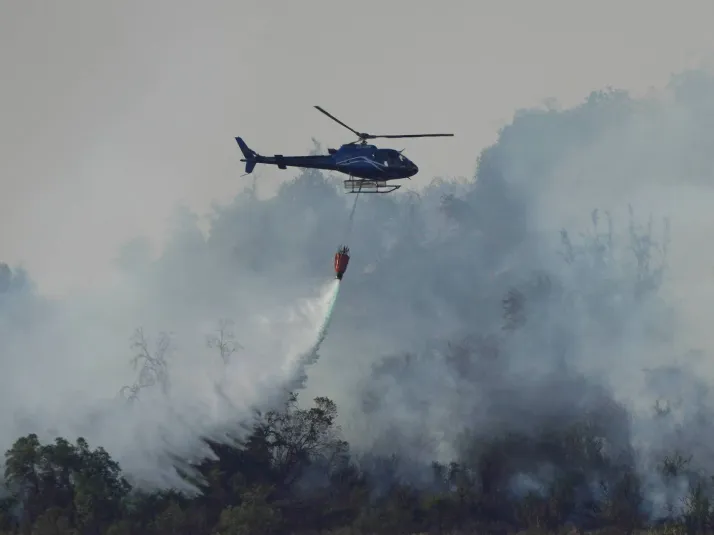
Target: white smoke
<point x="205" y="395"/>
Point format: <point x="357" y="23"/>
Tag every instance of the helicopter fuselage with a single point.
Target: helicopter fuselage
<point x="359" y="161"/>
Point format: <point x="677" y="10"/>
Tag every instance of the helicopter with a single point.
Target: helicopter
<point x="369" y="167"/>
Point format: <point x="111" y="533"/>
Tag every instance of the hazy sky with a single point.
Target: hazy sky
<point x="111" y="113"/>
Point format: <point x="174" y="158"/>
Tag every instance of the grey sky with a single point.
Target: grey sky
<point x="114" y="112"/>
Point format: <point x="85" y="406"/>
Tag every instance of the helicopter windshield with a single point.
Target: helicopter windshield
<point x="390" y="158"/>
<point x="400" y="160"/>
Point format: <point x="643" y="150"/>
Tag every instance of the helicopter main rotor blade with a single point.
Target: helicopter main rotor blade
<point x="359" y="134"/>
<point x="413" y="135"/>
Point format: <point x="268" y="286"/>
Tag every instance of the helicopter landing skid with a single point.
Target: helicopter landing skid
<point x="369" y="186"/>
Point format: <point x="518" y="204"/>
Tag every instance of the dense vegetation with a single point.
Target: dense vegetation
<point x="507" y="364"/>
<point x="294" y="474"/>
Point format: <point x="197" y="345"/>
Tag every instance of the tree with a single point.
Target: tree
<point x="224" y="340"/>
<point x="22" y="466"/>
<point x="53" y="521"/>
<point x="61" y="485"/>
<point x="99" y="488"/>
<point x="153" y="366"/>
<point x="297" y="437"/>
<point x="253" y="515"/>
<point x="171" y="521"/>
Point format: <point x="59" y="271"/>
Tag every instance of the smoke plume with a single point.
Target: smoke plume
<point x="570" y="279"/>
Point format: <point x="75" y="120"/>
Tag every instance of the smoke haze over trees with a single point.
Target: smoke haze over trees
<point x="544" y="324"/>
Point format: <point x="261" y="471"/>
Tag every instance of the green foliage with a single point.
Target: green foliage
<point x="62" y="488"/>
<point x="254" y="515"/>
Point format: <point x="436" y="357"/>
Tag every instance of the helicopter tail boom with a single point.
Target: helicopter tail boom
<point x="250" y="156"/>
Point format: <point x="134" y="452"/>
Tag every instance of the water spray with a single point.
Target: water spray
<point x="299" y="377"/>
<point x="310" y="357"/>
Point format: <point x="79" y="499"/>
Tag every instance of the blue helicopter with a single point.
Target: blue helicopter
<point x="369" y="167"/>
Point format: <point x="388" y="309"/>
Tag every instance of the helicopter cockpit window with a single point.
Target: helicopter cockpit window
<point x="395" y="158"/>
